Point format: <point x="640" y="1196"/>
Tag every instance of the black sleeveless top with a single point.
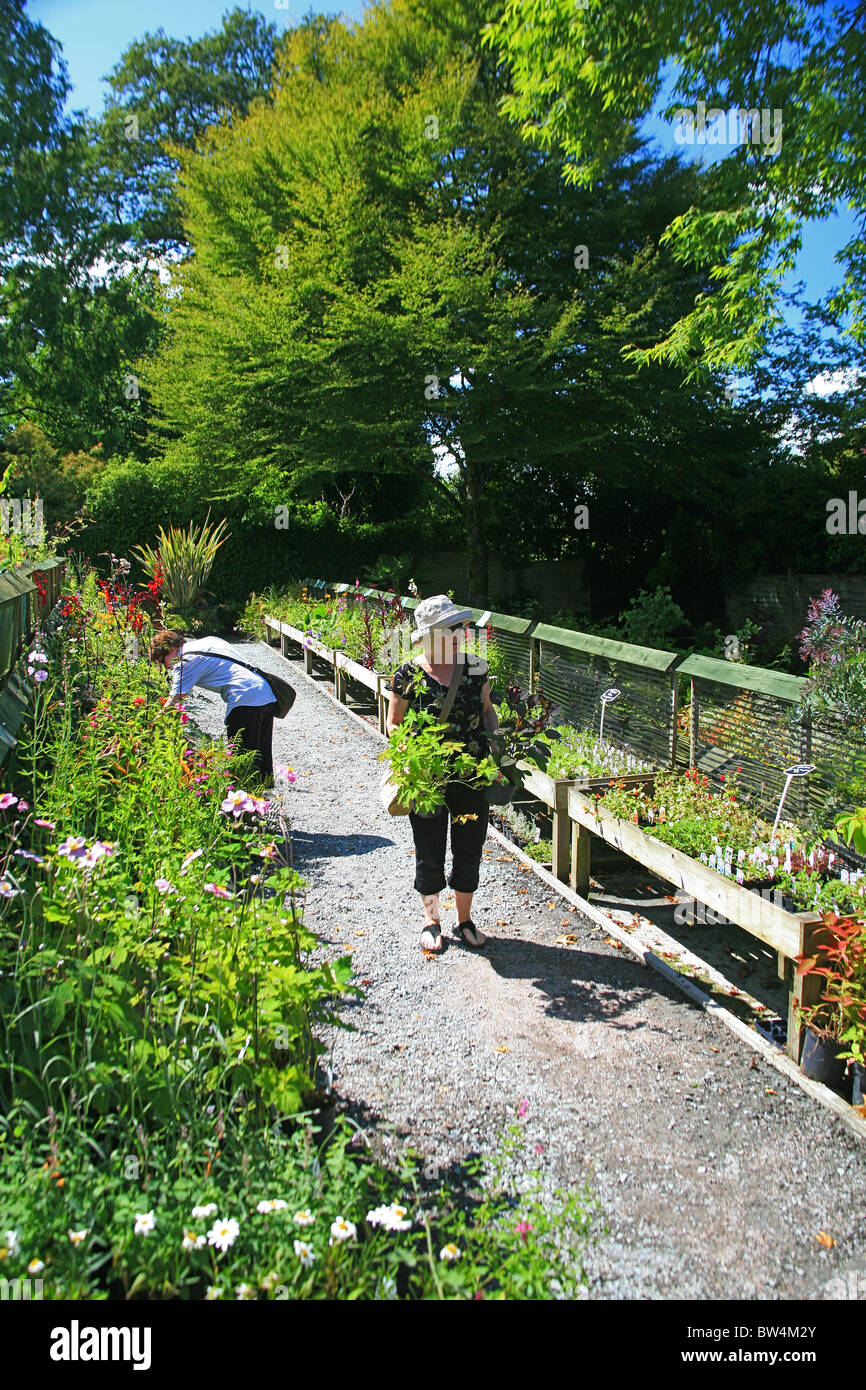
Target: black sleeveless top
<point x="424" y="692"/>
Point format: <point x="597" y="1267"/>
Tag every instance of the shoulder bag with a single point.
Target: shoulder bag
<point x="284" y="694"/>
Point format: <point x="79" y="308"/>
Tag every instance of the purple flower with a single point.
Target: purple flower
<point x="26" y="854"/>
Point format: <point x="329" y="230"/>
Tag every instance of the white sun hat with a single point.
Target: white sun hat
<point x="439" y="611"/>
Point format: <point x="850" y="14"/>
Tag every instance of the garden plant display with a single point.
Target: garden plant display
<point x="160" y="998"/>
<point x="581" y="753"/>
<point x="720" y="829"/>
<point x="363" y="633"/>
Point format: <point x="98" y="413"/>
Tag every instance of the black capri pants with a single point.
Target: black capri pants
<point x="255" y="724"/>
<point x="467" y="839"/>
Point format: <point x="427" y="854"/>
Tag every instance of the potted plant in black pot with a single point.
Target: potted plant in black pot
<point x="836" y="1024"/>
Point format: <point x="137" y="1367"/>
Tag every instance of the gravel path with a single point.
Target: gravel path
<point x="714" y="1173"/>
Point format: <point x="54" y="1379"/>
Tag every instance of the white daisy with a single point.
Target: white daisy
<point x="304" y="1218"/>
<point x="213" y="1292"/>
<point x="191" y="1241"/>
<point x="144" y="1221"/>
<point x="450" y="1252"/>
<point x="12" y="1242"/>
<point x="209" y="1210"/>
<point x="341" y="1229"/>
<point x="35" y="1266"/>
<point x="393" y="1217"/>
<point x="272" y="1204"/>
<point x="245" y="1292"/>
<point x="222" y="1234"/>
<point x="305" y="1253"/>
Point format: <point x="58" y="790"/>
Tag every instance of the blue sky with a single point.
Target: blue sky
<point x="94" y="34"/>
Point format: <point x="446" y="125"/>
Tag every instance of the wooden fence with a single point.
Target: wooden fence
<point x="28" y="594"/>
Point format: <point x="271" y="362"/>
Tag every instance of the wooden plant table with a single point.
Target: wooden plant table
<point x="788" y="933"/>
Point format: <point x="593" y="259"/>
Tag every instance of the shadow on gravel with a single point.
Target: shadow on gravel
<point x="579" y="986"/>
<point x="309" y="848"/>
<point x="383" y="1140"/>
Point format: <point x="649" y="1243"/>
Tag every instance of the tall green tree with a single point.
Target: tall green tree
<point x="386" y="274"/>
<point x="584" y="74"/>
<point x="164" y="94"/>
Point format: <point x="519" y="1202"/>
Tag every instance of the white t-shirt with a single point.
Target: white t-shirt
<point x="200" y="663"/>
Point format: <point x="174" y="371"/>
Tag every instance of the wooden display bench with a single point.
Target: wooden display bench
<point x="344" y="668"/>
<point x="788" y="933"/>
<point x="553" y="792"/>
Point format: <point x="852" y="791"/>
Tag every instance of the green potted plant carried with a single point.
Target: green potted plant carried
<point x="423" y="756"/>
<point x="836" y="1024"/>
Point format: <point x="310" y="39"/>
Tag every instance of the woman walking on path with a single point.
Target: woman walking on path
<point x="424" y="684"/>
<point x="210" y="663"/>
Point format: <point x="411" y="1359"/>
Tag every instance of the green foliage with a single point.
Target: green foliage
<point x="583" y="75"/>
<point x="652" y="619"/>
<point x="423" y="760"/>
<point x="541" y="850"/>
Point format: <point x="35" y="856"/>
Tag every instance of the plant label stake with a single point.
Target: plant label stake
<point x="607" y="698"/>
<point x="798" y="770"/>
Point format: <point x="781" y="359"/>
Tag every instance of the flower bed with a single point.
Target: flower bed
<point x="159" y="1004"/>
<point x="331" y="623"/>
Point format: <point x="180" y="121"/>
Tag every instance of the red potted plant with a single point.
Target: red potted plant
<point x="837" y="1022"/>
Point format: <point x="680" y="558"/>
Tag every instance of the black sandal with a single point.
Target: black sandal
<point x="435" y="930"/>
<point x="469" y="926"/>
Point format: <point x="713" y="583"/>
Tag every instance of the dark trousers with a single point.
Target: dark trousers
<point x="255" y="724"/>
<point x="467" y="839"/>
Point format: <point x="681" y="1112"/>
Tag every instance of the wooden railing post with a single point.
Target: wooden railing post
<point x="693" y="725"/>
<point x="674" y="707"/>
<point x="580" y="853"/>
<point x="805" y="989"/>
<point x="561" y="831"/>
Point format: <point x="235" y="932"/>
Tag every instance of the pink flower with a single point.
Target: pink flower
<point x="524" y="1106"/>
<point x="100" y="849"/>
<point x="23" y="805"/>
<point x="162" y="885"/>
<point x="46" y="824"/>
<point x="73" y="847"/>
<point x="7" y="800"/>
<point x="217" y="891"/>
<point x="522" y="1229"/>
<point x="237" y="802"/>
